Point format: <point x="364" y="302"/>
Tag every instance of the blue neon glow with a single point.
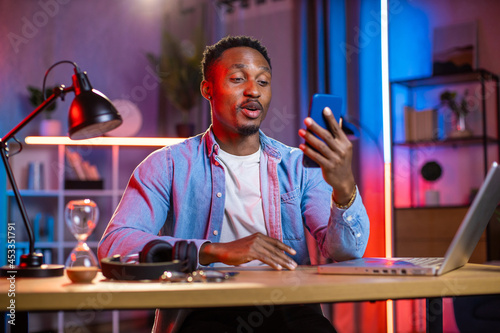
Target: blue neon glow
<point x="321" y="49"/>
<point x="410" y="36"/>
<point x="367" y="46"/>
<point x="338" y="69"/>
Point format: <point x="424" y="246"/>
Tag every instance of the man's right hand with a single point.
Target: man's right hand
<point x="254" y="247"/>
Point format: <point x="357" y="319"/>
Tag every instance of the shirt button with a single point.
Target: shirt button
<point x="219" y="195"/>
<point x="349" y="218"/>
<point x="216" y="232"/>
<point x="358" y="235"/>
<point x="216" y="163"/>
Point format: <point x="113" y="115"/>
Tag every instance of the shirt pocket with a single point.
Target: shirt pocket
<point x="290" y="196"/>
<point x="291" y="216"/>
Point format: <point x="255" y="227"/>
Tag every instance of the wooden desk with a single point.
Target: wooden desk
<point x="250" y="287"/>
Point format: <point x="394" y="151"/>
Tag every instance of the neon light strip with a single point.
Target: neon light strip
<point x="386" y="118"/>
<point x="389" y="306"/>
<point x="388" y="210"/>
<point x="102" y="141"/>
<point x="388" y="238"/>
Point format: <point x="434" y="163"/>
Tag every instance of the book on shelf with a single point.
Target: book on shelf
<point x="75" y="162"/>
<point x="49" y="227"/>
<point x="82" y="169"/>
<point x="43" y="228"/>
<point x="420" y="125"/>
<point x="37" y="226"/>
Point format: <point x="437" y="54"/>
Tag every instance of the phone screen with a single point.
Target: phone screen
<point x="318" y="103"/>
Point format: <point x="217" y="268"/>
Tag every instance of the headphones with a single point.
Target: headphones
<point x="156" y="257"/>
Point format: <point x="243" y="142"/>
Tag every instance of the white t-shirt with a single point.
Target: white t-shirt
<point x="243" y="212"/>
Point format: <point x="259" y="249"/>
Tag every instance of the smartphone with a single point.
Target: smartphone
<point x="318" y="103"/>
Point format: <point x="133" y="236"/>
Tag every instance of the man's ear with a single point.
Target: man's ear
<point x="206" y="89"/>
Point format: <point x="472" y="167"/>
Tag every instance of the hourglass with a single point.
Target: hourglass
<point x="81" y="218"/>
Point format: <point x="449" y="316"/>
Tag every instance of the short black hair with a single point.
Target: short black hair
<point x="213" y="52"/>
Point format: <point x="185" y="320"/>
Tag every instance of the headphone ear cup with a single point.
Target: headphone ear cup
<point x="192" y="257"/>
<point x="179" y="251"/>
<point x="186" y="253"/>
<point x="156" y="250"/>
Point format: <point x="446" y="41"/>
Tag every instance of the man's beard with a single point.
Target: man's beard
<point x="248" y="130"/>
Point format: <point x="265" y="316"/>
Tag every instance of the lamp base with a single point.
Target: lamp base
<point x="37" y="272"/>
<point x="31" y="266"/>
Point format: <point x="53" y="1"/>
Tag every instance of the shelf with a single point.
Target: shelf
<point x="117" y="158"/>
<point x="477" y="140"/>
<point x="428" y="232"/>
<point x="35" y="193"/>
<point x="448" y="79"/>
<point x="54" y="245"/>
<point x="419" y="229"/>
<point x="432" y="207"/>
<point x="93" y="193"/>
<point x="67" y="193"/>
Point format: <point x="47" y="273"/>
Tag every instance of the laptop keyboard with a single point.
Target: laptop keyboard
<point x="424" y="262"/>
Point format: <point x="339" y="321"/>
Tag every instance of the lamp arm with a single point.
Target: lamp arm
<point x="19" y="200"/>
<point x="59" y="91"/>
<point x="91" y="114"/>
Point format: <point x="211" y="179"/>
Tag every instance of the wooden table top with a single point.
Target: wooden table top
<point x="250" y="287"/>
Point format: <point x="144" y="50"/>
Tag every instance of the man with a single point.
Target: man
<point x="240" y="196"/>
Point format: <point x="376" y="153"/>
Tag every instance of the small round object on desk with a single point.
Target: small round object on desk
<point x="174" y="276"/>
<point x="82" y="274"/>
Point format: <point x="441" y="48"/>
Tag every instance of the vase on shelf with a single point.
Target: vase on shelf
<point x="460" y="129"/>
<point x="50" y="127"/>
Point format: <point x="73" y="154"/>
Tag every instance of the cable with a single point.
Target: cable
<point x="365" y="130"/>
<point x="50" y="68"/>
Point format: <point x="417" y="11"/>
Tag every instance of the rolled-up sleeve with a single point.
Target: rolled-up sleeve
<point x="347" y="233"/>
<point x="143" y="209"/>
<point x="341" y="234"/>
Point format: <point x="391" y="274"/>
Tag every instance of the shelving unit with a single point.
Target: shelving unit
<point x="115" y="158"/>
<point x="464" y="161"/>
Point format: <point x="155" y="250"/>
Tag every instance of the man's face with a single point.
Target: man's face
<point x="240" y="91"/>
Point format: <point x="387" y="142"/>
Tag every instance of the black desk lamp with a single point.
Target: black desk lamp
<point x="91" y="114"/>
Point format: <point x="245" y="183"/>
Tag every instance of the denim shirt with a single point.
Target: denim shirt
<point x="178" y="192"/>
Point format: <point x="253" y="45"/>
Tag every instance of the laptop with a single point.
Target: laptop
<point x="458" y="253"/>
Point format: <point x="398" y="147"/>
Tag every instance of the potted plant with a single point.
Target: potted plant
<point x="178" y="68"/>
<point x="460" y="110"/>
<point x="48" y="126"/>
